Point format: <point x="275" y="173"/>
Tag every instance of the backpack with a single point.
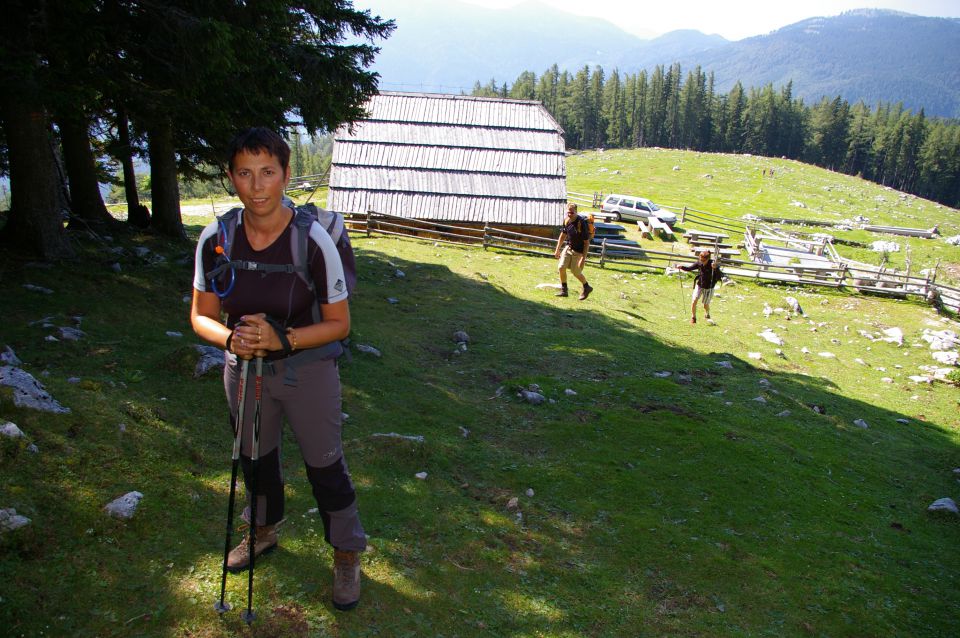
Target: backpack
<point x="591" y="228"/>
<point x="304" y="217"/>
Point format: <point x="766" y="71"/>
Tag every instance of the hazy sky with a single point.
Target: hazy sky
<point x="733" y="19"/>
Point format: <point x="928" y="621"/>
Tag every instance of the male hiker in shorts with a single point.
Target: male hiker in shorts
<point x="571" y="250"/>
<point x="708" y="274"/>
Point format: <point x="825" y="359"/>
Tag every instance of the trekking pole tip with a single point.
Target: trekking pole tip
<point x="222" y="607"/>
<point x="249" y="616"/>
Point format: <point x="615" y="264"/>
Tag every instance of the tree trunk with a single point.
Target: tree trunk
<point x="163" y="182"/>
<point x="137" y="215"/>
<point x="36" y="216"/>
<point x="85" y="199"/>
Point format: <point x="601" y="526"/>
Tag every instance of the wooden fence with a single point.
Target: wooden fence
<point x="838" y="275"/>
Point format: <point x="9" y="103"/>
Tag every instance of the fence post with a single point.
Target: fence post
<point x="603" y="253"/>
<point x="368" y="222"/>
<point x="486" y="231"/>
<point x="683" y="215"/>
<point x="843" y="276"/>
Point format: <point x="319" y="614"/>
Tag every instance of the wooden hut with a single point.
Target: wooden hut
<point x="452" y="158"/>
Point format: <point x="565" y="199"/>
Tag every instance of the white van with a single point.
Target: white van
<point x="627" y="207"/>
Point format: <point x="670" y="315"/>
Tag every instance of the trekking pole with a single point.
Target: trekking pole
<point x="220" y="605"/>
<point x="248" y="615"/>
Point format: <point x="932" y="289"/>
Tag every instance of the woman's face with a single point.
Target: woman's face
<point x="259" y="180"/>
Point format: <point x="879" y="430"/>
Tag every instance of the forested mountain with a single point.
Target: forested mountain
<point x="868" y="55"/>
<point x="872" y="55"/>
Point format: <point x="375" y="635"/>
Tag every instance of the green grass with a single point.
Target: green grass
<point x="661" y="506"/>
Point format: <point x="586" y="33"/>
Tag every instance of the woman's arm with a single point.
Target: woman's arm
<point x="334" y="327"/>
<point x="205" y="319"/>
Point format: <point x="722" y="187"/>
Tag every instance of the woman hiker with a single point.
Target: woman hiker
<point x="708" y="274"/>
<point x="272" y="314"/>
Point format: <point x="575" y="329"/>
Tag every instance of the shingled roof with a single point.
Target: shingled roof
<point x="451" y="158"/>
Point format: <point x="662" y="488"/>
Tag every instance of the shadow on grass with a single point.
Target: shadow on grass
<point x="656" y="507"/>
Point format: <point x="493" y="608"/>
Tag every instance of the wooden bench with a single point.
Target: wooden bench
<point x="645" y="231"/>
<point x="659" y="227"/>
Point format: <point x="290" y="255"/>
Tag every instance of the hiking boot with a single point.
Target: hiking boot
<point x="587" y="289"/>
<point x="563" y="292"/>
<point x="239" y="557"/>
<point x="346" y="579"/>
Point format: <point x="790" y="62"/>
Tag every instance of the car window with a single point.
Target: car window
<point x="642" y="206"/>
<point x="613" y="200"/>
<point x="629" y="203"/>
<point x="654" y="206"/>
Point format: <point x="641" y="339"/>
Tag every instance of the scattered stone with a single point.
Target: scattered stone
<point x="10" y="520"/>
<point x="780" y="354"/>
<point x="416" y="438"/>
<point x="534" y="398"/>
<point x="944" y="505"/>
<point x="124" y="506"/>
<point x="11" y="431"/>
<point x="399" y="274"/>
<point x="795" y="306"/>
<point x="827" y="355"/>
<point x="805" y="350"/>
<point x="861" y="361"/>
<point x="393" y="300"/>
<point x="211" y="358"/>
<point x="904" y="421"/>
<point x="33" y="449"/>
<point x="421" y="475"/>
<point x="945" y="357"/>
<point x="771" y="336"/>
<point x="893" y="335"/>
<point x="754" y="355"/>
<point x="663" y="374"/>
<point x="764" y="382"/>
<point x="759" y="399"/>
<point x="785" y="413"/>
<point x="941" y="340"/>
<point x="461" y="337"/>
<point x="920" y="379"/>
<point x="464" y="431"/>
<point x="818" y="409"/>
<point x="70" y="334"/>
<point x="725" y="364"/>
<point x="362" y="347"/>
<point x="40" y="289"/>
<point x="570" y="393"/>
<point x="174" y="334"/>
<point x="530" y="492"/>
<point x="886" y="380"/>
<point x="860" y="423"/>
<point x="28" y="392"/>
<point x="534" y="387"/>
<point x="513" y="503"/>
<point x="115" y="267"/>
<point x="7" y="357"/>
<point x="881" y="246"/>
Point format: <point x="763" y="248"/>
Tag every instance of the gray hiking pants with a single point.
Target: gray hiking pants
<point x="306" y="390"/>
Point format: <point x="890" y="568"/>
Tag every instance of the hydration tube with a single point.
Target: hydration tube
<point x="223" y="250"/>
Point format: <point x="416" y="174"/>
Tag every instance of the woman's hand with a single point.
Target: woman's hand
<point x="255" y="335"/>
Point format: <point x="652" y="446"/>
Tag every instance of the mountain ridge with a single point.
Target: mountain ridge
<point x="870" y="54"/>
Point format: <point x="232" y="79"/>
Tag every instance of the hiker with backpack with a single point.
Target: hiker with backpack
<point x="277" y="276"/>
<point x="708" y="274"/>
<point x="571" y="250"/>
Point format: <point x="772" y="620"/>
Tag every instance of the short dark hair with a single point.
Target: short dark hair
<point x="256" y="140"/>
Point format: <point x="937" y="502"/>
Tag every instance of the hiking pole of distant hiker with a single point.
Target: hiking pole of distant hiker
<point x="248" y="615"/>
<point x="220" y="605"/>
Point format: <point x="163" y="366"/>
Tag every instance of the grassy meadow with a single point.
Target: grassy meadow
<point x="673" y="484"/>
